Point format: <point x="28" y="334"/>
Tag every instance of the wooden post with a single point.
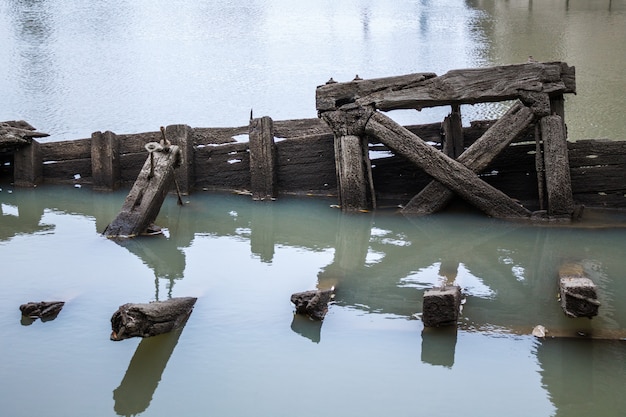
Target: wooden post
<point x="182" y="136"/>
<point x="105" y="161"/>
<point x="453" y="133"/>
<point x="441" y="306"/>
<point x="540" y="168"/>
<point x="144" y="201"/>
<point x="352" y="174"/>
<point x="262" y="159"/>
<point x="28" y="166"/>
<point x="558" y="181"/>
<point x="577" y="292"/>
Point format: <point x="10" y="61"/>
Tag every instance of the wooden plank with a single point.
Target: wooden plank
<point x="436" y="195"/>
<point x="105" y="161"/>
<point x="557" y="175"/>
<point x="262" y="159"/>
<point x="449" y="172"/>
<point x="143" y="202"/>
<point x="465" y="86"/>
<point x="66" y="150"/>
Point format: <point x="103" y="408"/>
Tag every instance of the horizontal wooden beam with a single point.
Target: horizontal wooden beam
<point x="465" y="86"/>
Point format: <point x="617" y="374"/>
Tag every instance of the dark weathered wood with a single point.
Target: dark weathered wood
<point x="15" y="134"/>
<point x="352" y="173"/>
<point x="150" y="319"/>
<point x="453" y="133"/>
<point x="466" y="86"/>
<point x="449" y="172"/>
<point x="441" y="306"/>
<point x="28" y="165"/>
<point x="578" y="293"/>
<point x="182" y="136"/>
<point x="105" y="161"/>
<point x="476" y="158"/>
<point x="45" y="310"/>
<point x="145" y="198"/>
<point x="558" y="181"/>
<point x="313" y="304"/>
<point x="66" y="150"/>
<point x="262" y="159"/>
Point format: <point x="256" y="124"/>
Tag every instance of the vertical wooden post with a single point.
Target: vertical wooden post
<point x="182" y="136"/>
<point x="105" y="161"/>
<point x="28" y="165"/>
<point x="262" y="158"/>
<point x="539" y="168"/>
<point x="453" y="133"/>
<point x="558" y="180"/>
<point x="352" y="173"/>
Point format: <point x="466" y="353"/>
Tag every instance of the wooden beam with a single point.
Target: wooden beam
<point x="436" y="195"/>
<point x="182" y="136"/>
<point x="465" y="86"/>
<point x="145" y="198"/>
<point x="558" y="180"/>
<point x="449" y="172"/>
<point x="262" y="159"/>
<point x="105" y="161"/>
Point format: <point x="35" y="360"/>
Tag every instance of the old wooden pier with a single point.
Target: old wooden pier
<point x="511" y="168"/>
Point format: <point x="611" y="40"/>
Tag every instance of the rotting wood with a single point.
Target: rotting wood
<point x="45" y="310"/>
<point x="145" y="198"/>
<point x="453" y="133"/>
<point x="150" y="319"/>
<point x="15" y="134"/>
<point x="578" y="294"/>
<point x="435" y="195"/>
<point x="28" y="165"/>
<point x="262" y="159"/>
<point x="105" y="161"/>
<point x="182" y="136"/>
<point x="558" y="180"/>
<point x="441" y="306"/>
<point x="449" y="172"/>
<point x="464" y="86"/>
<point x="314" y="303"/>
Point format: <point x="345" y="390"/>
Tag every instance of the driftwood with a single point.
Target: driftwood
<point x="145" y="198"/>
<point x="150" y="319"/>
<point x="313" y="304"/>
<point x="45" y="310"/>
<point x="435" y="195"/>
<point x="449" y="172"/>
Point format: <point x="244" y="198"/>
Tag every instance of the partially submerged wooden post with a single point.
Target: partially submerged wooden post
<point x="578" y="293"/>
<point x="105" y="161"/>
<point x="314" y="303"/>
<point x="150" y="319"/>
<point x="556" y="162"/>
<point x="441" y="306"/>
<point x="262" y="159"/>
<point x="17" y="136"/>
<point x="182" y="136"/>
<point x="145" y="198"/>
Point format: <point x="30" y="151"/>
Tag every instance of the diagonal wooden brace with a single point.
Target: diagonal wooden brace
<point x="446" y="170"/>
<point x="435" y="195"/>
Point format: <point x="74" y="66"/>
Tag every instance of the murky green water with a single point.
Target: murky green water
<point x="71" y="68"/>
<point x="243" y="352"/>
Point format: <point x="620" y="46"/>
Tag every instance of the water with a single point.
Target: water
<point x="70" y="68"/>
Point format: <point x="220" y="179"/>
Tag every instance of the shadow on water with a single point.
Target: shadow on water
<point x="144" y="372"/>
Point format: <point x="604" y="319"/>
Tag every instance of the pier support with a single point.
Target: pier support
<point x="105" y="161"/>
<point x="441" y="306"/>
<point x="28" y="165"/>
<point x="262" y="159"/>
<point x="182" y="136"/>
<point x="556" y="161"/>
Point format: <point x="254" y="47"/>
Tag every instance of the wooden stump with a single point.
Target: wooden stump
<point x="105" y="161"/>
<point x="578" y="293"/>
<point x="151" y="319"/>
<point x="441" y="306"/>
<point x="262" y="159"/>
<point x="312" y="303"/>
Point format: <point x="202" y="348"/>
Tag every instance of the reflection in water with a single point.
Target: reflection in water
<point x="439" y="345"/>
<point x="304" y="326"/>
<point x="144" y="373"/>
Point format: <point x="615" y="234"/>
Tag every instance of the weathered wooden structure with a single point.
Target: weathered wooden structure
<point x="353" y="111"/>
<point x="578" y="293"/>
<point x="509" y="159"/>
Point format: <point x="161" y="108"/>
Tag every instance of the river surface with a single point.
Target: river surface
<point x="71" y="68"/>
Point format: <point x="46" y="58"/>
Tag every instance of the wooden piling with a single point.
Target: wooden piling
<point x="105" y="161"/>
<point x="28" y="165"/>
<point x="558" y="180"/>
<point x="262" y="159"/>
<point x="578" y="293"/>
<point x="182" y="136"/>
<point x="352" y="178"/>
<point x="441" y="306"/>
<point x="452" y="128"/>
<point x="145" y="198"/>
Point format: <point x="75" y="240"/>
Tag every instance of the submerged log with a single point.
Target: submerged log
<point x="312" y="303"/>
<point x="435" y="195"/>
<point x="144" y="201"/>
<point x="449" y="172"/>
<point x="150" y="319"/>
<point x="45" y="310"/>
